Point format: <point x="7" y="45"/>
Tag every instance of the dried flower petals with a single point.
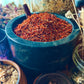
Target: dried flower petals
<point x="43" y="27"/>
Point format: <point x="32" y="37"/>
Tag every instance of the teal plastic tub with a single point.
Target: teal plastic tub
<point x="42" y="56"/>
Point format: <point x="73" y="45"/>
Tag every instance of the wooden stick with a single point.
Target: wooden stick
<point x="26" y="9"/>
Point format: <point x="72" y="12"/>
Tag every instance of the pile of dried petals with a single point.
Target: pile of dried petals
<point x="43" y="27"/>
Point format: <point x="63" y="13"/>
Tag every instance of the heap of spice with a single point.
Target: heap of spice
<point x="43" y="27"/>
<point x="8" y="74"/>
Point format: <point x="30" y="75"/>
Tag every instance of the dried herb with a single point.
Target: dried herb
<point x="43" y="27"/>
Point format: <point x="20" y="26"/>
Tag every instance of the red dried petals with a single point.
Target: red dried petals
<point x="43" y="27"/>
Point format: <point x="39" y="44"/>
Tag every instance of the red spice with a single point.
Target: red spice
<point x="43" y="27"/>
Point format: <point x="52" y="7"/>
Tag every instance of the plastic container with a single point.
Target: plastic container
<point x="52" y="78"/>
<point x="5" y="51"/>
<point x="78" y="57"/>
<point x="42" y="56"/>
